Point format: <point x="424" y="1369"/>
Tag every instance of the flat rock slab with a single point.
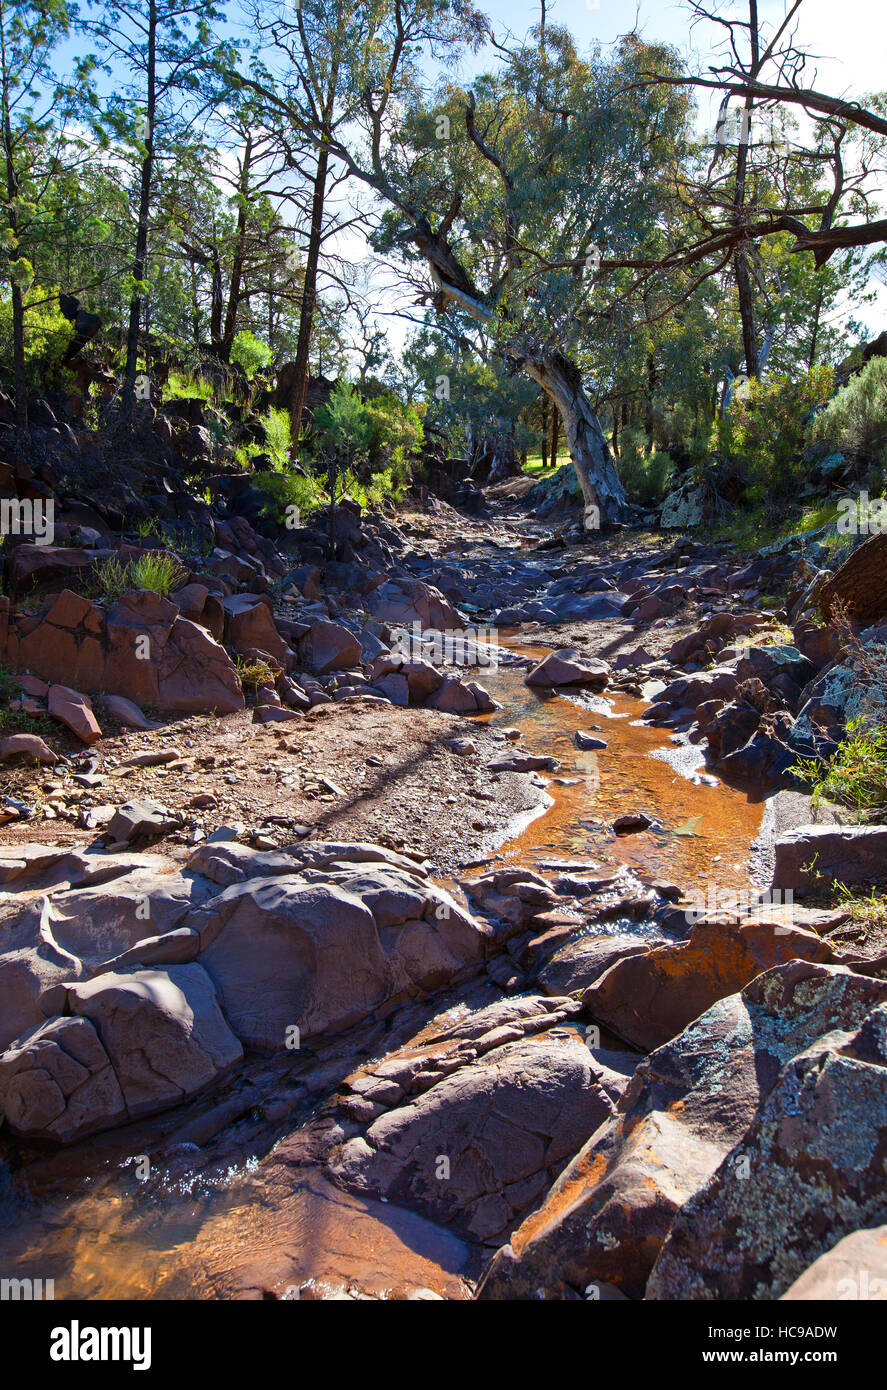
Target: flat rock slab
<point x="842" y="853"/>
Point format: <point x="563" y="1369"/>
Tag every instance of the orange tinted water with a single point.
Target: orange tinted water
<point x="707" y="827"/>
<point x="261" y="1233"/>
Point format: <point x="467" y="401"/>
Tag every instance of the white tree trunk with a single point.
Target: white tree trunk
<point x="603" y="494"/>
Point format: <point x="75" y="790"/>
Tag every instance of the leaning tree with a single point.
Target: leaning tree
<point x="507" y="192"/>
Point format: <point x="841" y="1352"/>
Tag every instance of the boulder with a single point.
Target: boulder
<point x="814" y="1164"/>
<point x="75" y="711"/>
<point x="138" y="1042"/>
<point x="28" y="746"/>
<point x="333" y="647"/>
<point x="139" y="819"/>
<point x="140" y="648"/>
<point x="285" y="952"/>
<point x="395" y="688"/>
<point x="858" y="583"/>
<point x="454" y="697"/>
<point x="57" y="1083"/>
<point x="249" y="625"/>
<point x="719" y="629"/>
<point x="649" y="998"/>
<point x="524" y="762"/>
<point x="422" y="678"/>
<point x="588" y="741"/>
<point x="720" y="681"/>
<point x="569" y="667"/>
<point x="503" y="1125"/>
<point x="33" y="566"/>
<point x="407" y="601"/>
<point x="126" y="712"/>
<point x="853" y="1270"/>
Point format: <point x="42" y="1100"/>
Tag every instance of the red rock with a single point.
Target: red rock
<point x="648" y="999"/>
<point x="839" y="853"/>
<point x="333" y="647"/>
<point x="34" y="565"/>
<point x="28" y="746"/>
<point x="453" y="697"/>
<point x="31" y="685"/>
<point x="75" y="710"/>
<point x="569" y="667"/>
<point x="128" y="713"/>
<point x="814" y="1160"/>
<point x="273" y="714"/>
<point x="249" y="623"/>
<point x="677" y="1137"/>
<point x="854" y="1270"/>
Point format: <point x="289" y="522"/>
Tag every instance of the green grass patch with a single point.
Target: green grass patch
<point x="856" y="776"/>
<point x="534" y="466"/>
<point x="159" y="571"/>
<point x="183" y="386"/>
<point x="253" y="673"/>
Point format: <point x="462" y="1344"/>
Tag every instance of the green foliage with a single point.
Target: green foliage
<point x="184" y="386"/>
<point x="857" y="774"/>
<point x="277" y="443"/>
<point x="395" y="432"/>
<point x="250" y="353"/>
<point x="371" y="441"/>
<point x="290" y="489"/>
<point x="159" y="571"/>
<point x="764" y="428"/>
<point x="855" y="419"/>
<point x="254" y="672"/>
<point x="278" y="437"/>
<point x="47" y="335"/>
<point x="645" y="475"/>
<point x="342" y="425"/>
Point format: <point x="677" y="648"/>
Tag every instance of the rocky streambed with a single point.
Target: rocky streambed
<point x="540" y="1065"/>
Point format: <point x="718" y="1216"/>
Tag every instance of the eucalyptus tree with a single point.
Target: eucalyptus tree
<point x="313" y="63"/>
<point x="35" y="109"/>
<point x="816" y="184"/>
<point x="167" y="64"/>
<point x="510" y="192"/>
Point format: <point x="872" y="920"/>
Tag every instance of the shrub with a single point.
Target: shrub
<point x="765" y="426"/>
<point x="250" y="353"/>
<point x="371" y="441"/>
<point x="396" y="432"/>
<point x="47" y="335"/>
<point x="645" y="476"/>
<point x="278" y="437"/>
<point x="857" y="774"/>
<point x="855" y="419"/>
<point x="301" y="490"/>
